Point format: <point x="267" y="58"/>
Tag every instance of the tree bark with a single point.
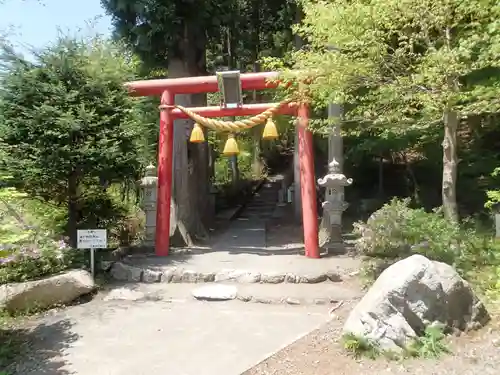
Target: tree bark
<point x="380" y="190"/>
<point x="191" y="172"/>
<point x="257" y="164"/>
<point x="414" y="189"/>
<point x="450" y="162"/>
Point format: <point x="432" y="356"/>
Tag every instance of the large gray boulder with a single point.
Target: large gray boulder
<point x="47" y="292"/>
<point x="408" y="296"/>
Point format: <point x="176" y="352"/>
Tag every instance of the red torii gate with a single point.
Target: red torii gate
<point x="168" y="88"/>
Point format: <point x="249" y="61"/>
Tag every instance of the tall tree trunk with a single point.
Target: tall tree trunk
<point x="182" y="211"/>
<point x="450" y="162"/>
<point x="191" y="173"/>
<point x="257" y="164"/>
<point x="414" y="188"/>
<point x="380" y="191"/>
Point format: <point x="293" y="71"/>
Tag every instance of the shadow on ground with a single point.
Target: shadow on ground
<point x="180" y="257"/>
<point x="36" y="350"/>
<point x="176" y="257"/>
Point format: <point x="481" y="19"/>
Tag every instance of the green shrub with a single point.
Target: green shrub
<point x="431" y="345"/>
<point x="116" y="210"/>
<point x="36" y="260"/>
<point x="397" y="231"/>
<point x="359" y="346"/>
<point x="27" y="247"/>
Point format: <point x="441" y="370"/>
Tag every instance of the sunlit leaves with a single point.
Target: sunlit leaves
<point x="400" y="60"/>
<point x="67" y="114"/>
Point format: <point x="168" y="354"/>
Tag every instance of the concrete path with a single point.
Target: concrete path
<point x="159" y="337"/>
<point x="248" y="231"/>
<point x="239" y="254"/>
<point x="240" y="250"/>
<point x="150" y="324"/>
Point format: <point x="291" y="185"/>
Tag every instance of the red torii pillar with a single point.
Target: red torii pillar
<point x="168" y="88"/>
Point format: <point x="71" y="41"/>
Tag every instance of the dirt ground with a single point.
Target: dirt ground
<point x="318" y="353"/>
<point x="321" y="352"/>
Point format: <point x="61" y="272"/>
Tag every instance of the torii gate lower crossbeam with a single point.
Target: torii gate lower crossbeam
<point x="168" y="88"/>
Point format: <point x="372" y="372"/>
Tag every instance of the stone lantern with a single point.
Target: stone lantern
<point x="149" y="187"/>
<point x="334" y="205"/>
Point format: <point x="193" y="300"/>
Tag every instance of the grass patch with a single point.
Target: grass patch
<point x="359" y="346"/>
<point x="431" y="345"/>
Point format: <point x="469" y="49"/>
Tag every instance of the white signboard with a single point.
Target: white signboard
<point x="92" y="239"/>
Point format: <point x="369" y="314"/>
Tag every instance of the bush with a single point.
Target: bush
<point x="27" y="248"/>
<point x="116" y="210"/>
<point x="39" y="259"/>
<point x="397" y="231"/>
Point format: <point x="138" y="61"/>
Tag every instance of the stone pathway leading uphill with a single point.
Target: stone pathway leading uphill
<point x="241" y="254"/>
<point x="148" y="321"/>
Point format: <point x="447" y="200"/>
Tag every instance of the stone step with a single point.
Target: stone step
<point x="259" y="209"/>
<point x="122" y="271"/>
<point x="292" y="294"/>
<point x="261" y="204"/>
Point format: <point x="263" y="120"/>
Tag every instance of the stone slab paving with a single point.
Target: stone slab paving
<point x="243" y="234"/>
<point x="292" y="294"/>
<point x="227" y="266"/>
<point x="240" y="254"/>
<point x="159" y="337"/>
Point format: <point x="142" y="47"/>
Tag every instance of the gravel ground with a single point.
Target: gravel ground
<point x="321" y="353"/>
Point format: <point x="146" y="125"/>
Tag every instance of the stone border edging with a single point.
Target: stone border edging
<point x="286" y="300"/>
<point x="124" y="272"/>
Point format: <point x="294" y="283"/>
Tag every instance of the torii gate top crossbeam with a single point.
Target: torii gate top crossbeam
<point x="168" y="88"/>
<point x="202" y="84"/>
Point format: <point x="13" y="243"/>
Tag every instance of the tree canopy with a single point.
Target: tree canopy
<point x="398" y="65"/>
<point x="67" y="122"/>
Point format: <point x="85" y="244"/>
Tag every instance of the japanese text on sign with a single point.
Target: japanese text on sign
<point x="92" y="239"/>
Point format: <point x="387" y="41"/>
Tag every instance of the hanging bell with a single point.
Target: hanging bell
<point x="197" y="135"/>
<point x="231" y="146"/>
<point x="270" y="131"/>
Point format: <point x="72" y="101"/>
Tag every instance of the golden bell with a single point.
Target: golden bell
<point x="270" y="131"/>
<point x="197" y="135"/>
<point x="231" y="146"/>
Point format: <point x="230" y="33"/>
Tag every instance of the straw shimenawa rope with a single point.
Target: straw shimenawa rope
<point x="229" y="126"/>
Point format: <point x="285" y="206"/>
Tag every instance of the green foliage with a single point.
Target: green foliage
<point x="68" y="114"/>
<point x="398" y="67"/>
<point x="37" y="259"/>
<point x="493" y="195"/>
<point x="216" y="24"/>
<point x="430" y="345"/>
<point x="360" y="346"/>
<point x="68" y="125"/>
<point x="27" y="248"/>
<point x="118" y="211"/>
<point x="397" y="231"/>
<point x="405" y="62"/>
